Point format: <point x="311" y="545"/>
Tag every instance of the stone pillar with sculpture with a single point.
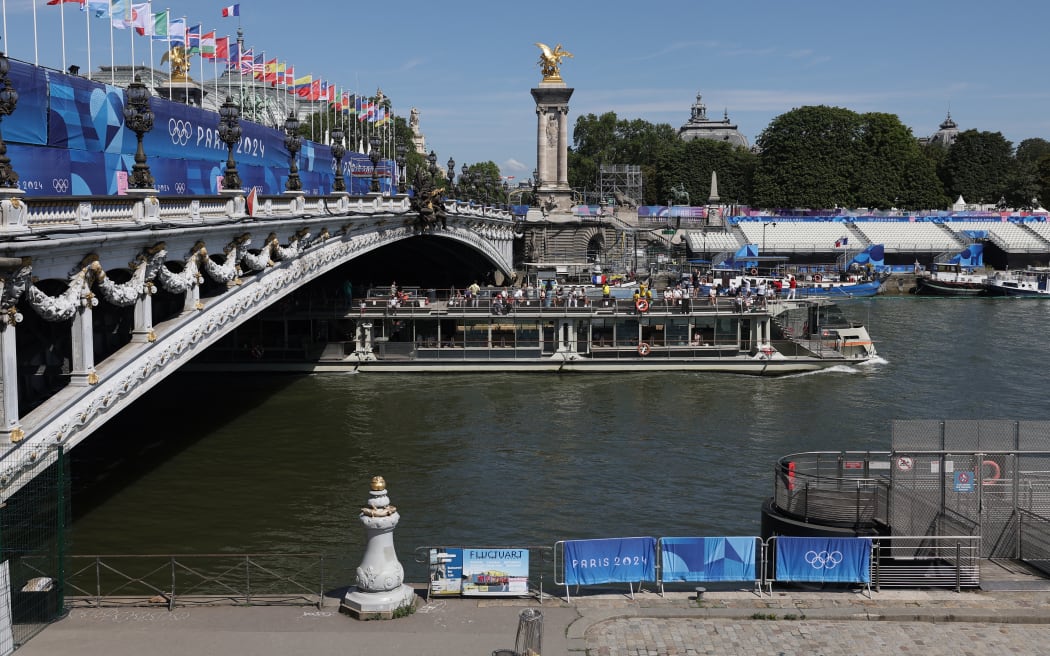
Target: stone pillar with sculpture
<point x="380" y="592"/>
<point x="552" y="143"/>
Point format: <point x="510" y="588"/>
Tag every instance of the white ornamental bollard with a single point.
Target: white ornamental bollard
<point x="380" y="591"/>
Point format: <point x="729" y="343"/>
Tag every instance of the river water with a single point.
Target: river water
<point x="239" y="464"/>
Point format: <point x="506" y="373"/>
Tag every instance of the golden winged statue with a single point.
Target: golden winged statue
<point x="179" y="62"/>
<point x="550" y="61"/>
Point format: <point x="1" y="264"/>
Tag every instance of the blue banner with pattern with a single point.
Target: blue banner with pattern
<point x="824" y="560"/>
<point x="610" y="560"/>
<point x="708" y="559"/>
<point x="28" y="123"/>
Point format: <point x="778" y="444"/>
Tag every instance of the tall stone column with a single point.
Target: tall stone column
<point x="83" y="373"/>
<point x="552" y="143"/>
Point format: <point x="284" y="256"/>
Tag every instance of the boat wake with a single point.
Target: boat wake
<point x="858" y="368"/>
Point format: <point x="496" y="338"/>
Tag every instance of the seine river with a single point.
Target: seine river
<point x="241" y="464"/>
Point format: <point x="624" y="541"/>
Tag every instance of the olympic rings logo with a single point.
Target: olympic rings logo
<point x="180" y="187"/>
<point x="60" y="185"/>
<point x="179" y="131"/>
<point x="824" y="559"/>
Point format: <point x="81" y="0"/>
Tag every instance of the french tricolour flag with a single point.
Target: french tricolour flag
<point x="232" y="10"/>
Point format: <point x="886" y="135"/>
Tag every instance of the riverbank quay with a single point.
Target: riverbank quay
<point x="604" y="623"/>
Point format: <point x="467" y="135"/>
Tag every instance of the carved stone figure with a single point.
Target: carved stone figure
<point x="550" y="61"/>
<point x="623" y="200"/>
<point x="413" y="120"/>
<point x="179" y="62"/>
<point x="552" y="130"/>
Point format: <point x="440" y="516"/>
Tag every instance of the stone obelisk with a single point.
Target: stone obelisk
<point x="552" y="132"/>
<point x="380" y="589"/>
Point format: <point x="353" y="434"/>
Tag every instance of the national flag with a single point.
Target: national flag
<point x="193" y="39"/>
<point x="208" y="45"/>
<point x="350" y="105"/>
<point x="841" y="242"/>
<point x="315" y="91"/>
<point x="137" y="16"/>
<point x="101" y="8"/>
<point x="270" y="71"/>
<point x="380" y="116"/>
<point x="222" y="48"/>
<point x="177" y="30"/>
<point x="301" y="85"/>
<point x="232" y="10"/>
<point x="250" y="201"/>
<point x="61" y="2"/>
<point x="159" y="29"/>
<point x="289" y="77"/>
<point x="258" y="67"/>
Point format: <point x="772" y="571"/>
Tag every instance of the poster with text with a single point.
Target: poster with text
<point x="446" y="571"/>
<point x="495" y="572"/>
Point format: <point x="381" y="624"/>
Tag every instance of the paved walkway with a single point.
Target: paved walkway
<point x="734" y="622"/>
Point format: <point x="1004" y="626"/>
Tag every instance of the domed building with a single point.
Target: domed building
<point x="700" y="127"/>
<point x="945" y="136"/>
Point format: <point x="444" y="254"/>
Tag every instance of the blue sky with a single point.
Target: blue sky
<point x="468" y="66"/>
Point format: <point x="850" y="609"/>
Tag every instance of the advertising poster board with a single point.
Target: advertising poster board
<point x="495" y="572"/>
<point x="446" y="572"/>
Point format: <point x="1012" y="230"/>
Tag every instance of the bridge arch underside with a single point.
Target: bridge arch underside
<point x="421" y="261"/>
<point x="76" y="368"/>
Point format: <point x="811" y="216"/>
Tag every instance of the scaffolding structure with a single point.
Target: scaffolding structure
<point x="627" y="180"/>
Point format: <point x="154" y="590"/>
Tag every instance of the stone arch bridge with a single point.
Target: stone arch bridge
<point x="216" y="266"/>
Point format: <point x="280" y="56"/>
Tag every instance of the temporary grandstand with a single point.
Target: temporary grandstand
<point x="1015" y="239"/>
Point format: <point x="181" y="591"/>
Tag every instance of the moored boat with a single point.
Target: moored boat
<point x="736" y="335"/>
<point x="951" y="279"/>
<point x="1033" y="282"/>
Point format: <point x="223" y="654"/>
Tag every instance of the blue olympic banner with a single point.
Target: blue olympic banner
<point x="28" y="123"/>
<point x="708" y="559"/>
<point x="824" y="560"/>
<point x="671" y="212"/>
<point x="610" y="560"/>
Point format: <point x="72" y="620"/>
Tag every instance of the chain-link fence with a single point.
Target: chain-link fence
<point x="34" y="523"/>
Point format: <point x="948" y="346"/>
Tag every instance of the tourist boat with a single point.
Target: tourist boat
<point x="610" y="335"/>
<point x="815" y="284"/>
<point x="1033" y="282"/>
<point x="951" y="279"/>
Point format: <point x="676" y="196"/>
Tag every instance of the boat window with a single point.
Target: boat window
<point x="677" y="332"/>
<point x="528" y="334"/>
<point x="626" y="332"/>
<point x="476" y="333"/>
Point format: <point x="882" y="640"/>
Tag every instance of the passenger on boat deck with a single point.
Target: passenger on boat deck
<point x="792" y="286"/>
<point x="393" y="303"/>
<point x="760" y="292"/>
<point x="745" y="287"/>
<point x="519" y="294"/>
<point x="393" y="288"/>
<point x="711" y="293"/>
<point x="696" y="339"/>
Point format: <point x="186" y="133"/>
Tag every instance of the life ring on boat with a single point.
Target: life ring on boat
<point x="754" y="271"/>
<point x="644" y="349"/>
<point x="257" y="352"/>
<point x="996" y="472"/>
<point x="641" y="305"/>
<point x="817" y="277"/>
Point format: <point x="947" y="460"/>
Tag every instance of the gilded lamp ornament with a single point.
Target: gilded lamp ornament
<point x="550" y="61"/>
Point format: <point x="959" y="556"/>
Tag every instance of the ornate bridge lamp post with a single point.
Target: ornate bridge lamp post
<point x="338" y="151"/>
<point x="432" y="158"/>
<point x="230" y="134"/>
<point x="506" y="195"/>
<point x="373" y="154"/>
<point x="451" y="178"/>
<point x="292" y="141"/>
<point x="464" y="181"/>
<point x="8" y="100"/>
<point x="535" y="186"/>
<point x="402" y="174"/>
<point x="139" y="117"/>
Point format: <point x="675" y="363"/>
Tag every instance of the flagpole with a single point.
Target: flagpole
<point x="153" y="21"/>
<point x="112" y="60"/>
<point x="87" y="25"/>
<point x="36" y="58"/>
<point x="5" y="25"/>
<point x="240" y="62"/>
<point x="62" y="20"/>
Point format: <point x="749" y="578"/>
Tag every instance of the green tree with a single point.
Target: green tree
<point x="978" y="166"/>
<point x="807" y="157"/>
<point x="690" y="163"/>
